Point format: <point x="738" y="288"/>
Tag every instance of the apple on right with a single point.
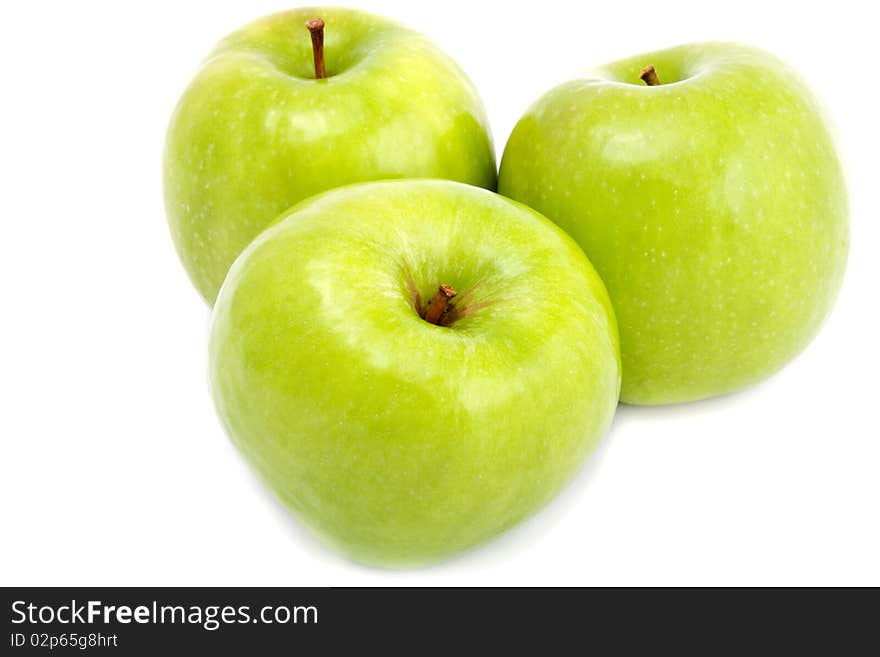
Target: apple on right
<point x="703" y="183"/>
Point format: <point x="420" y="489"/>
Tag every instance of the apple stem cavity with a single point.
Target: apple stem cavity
<point x="439" y="305"/>
<point x="649" y="76"/>
<point x="316" y="28"/>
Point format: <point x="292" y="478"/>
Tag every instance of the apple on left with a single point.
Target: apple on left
<point x="282" y="110"/>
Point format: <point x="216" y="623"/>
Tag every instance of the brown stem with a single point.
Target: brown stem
<point x="649" y="76"/>
<point x="439" y="304"/>
<point x="316" y="28"/>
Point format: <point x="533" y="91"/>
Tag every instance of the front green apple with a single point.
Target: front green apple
<point x="256" y="131"/>
<point x="414" y="366"/>
<point x="712" y="204"/>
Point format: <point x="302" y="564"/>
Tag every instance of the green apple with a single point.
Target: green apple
<point x="711" y="202"/>
<point x="257" y="131"/>
<point x="413" y="366"/>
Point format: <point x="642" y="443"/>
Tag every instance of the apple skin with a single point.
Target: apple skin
<point x="712" y="205"/>
<point x="255" y="133"/>
<point x="398" y="441"/>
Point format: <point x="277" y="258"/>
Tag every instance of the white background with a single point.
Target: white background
<point x="114" y="468"/>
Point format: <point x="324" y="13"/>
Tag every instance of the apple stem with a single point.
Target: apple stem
<point x="316" y="28"/>
<point x="649" y="76"/>
<point x="439" y="305"/>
